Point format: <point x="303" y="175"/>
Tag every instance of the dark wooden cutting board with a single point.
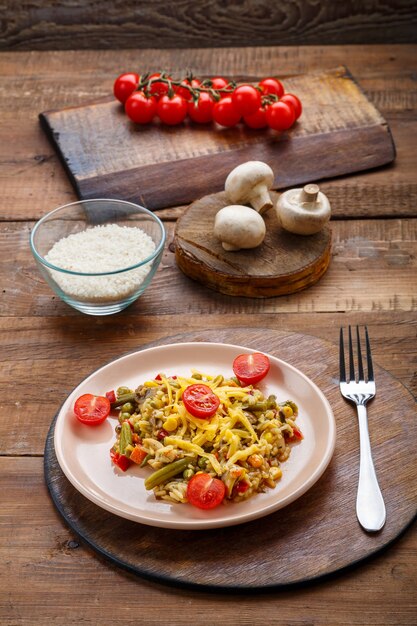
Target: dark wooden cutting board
<point x="106" y="155"/>
<point x="315" y="536"/>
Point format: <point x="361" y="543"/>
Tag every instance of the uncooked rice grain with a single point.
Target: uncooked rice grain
<point x="101" y="249"/>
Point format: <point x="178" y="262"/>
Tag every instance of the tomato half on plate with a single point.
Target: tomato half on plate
<point x="200" y="401"/>
<point x="92" y="410"/>
<point x="205" y="492"/>
<point x="251" y="368"/>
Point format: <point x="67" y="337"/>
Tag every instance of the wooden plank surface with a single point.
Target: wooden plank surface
<point x="105" y="155"/>
<point x="198" y="23"/>
<point x="47" y="348"/>
<point x="323" y="537"/>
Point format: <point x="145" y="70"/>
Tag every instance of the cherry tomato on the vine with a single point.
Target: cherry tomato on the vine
<point x="218" y="82"/>
<point x="92" y="410"/>
<point x="251" y="368"/>
<point x="182" y="91"/>
<point x="172" y="111"/>
<point x="256" y="120"/>
<point x="272" y="86"/>
<point x="158" y="88"/>
<point x="205" y="492"/>
<point x="246" y="99"/>
<point x="200" y="401"/>
<point x="141" y="108"/>
<point x="280" y="116"/>
<point x="202" y="110"/>
<point x="125" y="85"/>
<point x="225" y="113"/>
<point x="290" y="98"/>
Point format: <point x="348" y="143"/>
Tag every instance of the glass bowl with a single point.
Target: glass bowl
<point x="99" y="255"/>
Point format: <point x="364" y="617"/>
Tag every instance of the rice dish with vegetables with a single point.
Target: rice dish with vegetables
<point x="207" y="439"/>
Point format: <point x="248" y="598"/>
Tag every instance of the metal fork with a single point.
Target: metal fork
<point x="370" y="507"/>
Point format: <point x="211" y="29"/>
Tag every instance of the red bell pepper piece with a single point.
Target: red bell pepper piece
<point x="111" y="396"/>
<point x="120" y="460"/>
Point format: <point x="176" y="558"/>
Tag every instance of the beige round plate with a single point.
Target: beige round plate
<point x="83" y="451"/>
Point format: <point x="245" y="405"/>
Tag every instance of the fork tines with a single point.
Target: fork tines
<point x="361" y="375"/>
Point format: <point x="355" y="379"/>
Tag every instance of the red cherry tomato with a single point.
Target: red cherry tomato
<point x="272" y="86"/>
<point x="172" y="111"/>
<point x="220" y="83"/>
<point x="202" y="110"/>
<point x="92" y="410"/>
<point x="256" y="120"/>
<point x="125" y="85"/>
<point x="290" y="98"/>
<point x="140" y="108"/>
<point x="225" y="113"/>
<point x="280" y="116"/>
<point x="247" y="99"/>
<point x="200" y="401"/>
<point x="205" y="492"/>
<point x="182" y="91"/>
<point x="158" y="88"/>
<point x="251" y="368"/>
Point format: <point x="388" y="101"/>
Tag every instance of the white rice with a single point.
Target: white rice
<point x="101" y="249"/>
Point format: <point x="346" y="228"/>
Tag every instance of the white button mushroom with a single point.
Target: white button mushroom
<point x="303" y="211"/>
<point x="250" y="183"/>
<point x="239" y="227"/>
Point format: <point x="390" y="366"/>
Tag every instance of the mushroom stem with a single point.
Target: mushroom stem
<point x="309" y="193"/>
<point x="260" y="199"/>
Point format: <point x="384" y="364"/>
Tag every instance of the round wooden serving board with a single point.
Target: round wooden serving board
<point x="315" y="536"/>
<point x="282" y="264"/>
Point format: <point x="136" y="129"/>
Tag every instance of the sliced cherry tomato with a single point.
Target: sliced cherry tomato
<point x="251" y="368"/>
<point x="125" y="85"/>
<point x="172" y="111"/>
<point x="256" y="120"/>
<point x="92" y="410"/>
<point x="246" y="99"/>
<point x="225" y="113"/>
<point x="272" y="86"/>
<point x="158" y="88"/>
<point x="290" y="98"/>
<point x="205" y="492"/>
<point x="140" y="108"/>
<point x="200" y="401"/>
<point x="202" y="110"/>
<point x="120" y="460"/>
<point x="111" y="396"/>
<point x="280" y="116"/>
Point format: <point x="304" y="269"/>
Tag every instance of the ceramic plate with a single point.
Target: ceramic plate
<point x="83" y="451"/>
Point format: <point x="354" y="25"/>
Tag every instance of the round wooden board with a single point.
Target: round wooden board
<point x="314" y="537"/>
<point x="284" y="263"/>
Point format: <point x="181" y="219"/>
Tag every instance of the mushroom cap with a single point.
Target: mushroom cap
<point x="302" y="218"/>
<point x="241" y="181"/>
<point x="239" y="226"/>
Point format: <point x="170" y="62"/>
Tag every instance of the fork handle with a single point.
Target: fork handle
<point x="370" y="507"/>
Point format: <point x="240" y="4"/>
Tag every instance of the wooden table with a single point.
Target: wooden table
<point x="47" y="575"/>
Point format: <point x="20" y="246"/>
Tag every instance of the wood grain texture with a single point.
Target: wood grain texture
<point x="33" y="180"/>
<point x="66" y="583"/>
<point x="320" y="527"/>
<point x="284" y="263"/>
<point x="43" y="25"/>
<point x="157" y="166"/>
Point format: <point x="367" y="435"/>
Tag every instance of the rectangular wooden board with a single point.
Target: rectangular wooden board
<point x="106" y="155"/>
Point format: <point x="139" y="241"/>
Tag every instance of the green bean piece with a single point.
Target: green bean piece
<point x="123" y="417"/>
<point x="125" y="437"/>
<point x="188" y="473"/>
<point x="127" y="407"/>
<point x="128" y="397"/>
<point x="271" y="402"/>
<point x="197" y="376"/>
<point x="166" y="472"/>
<point x="258" y="406"/>
<point x="122" y="391"/>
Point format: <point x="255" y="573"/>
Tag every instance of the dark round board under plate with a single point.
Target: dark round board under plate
<point x="313" y="537"/>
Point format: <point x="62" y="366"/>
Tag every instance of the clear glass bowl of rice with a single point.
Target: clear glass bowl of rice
<point x="98" y="255"/>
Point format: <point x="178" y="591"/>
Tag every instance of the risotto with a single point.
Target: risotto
<point x="238" y="448"/>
